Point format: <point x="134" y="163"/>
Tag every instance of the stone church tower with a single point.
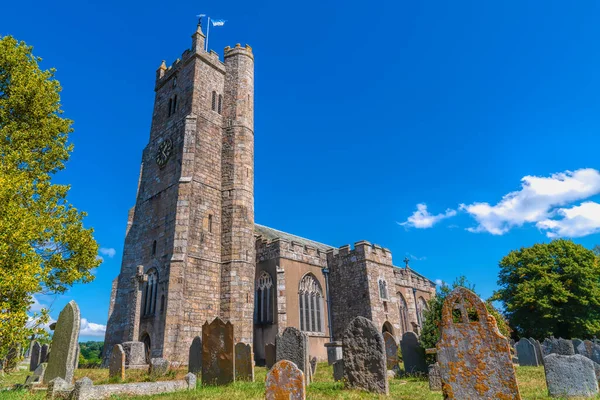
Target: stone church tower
<point x="189" y="252"/>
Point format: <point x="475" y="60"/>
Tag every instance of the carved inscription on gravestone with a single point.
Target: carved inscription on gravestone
<point x="244" y="362"/>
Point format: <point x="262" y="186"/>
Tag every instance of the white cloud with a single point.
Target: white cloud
<point x="576" y="221"/>
<point x="422" y="219"/>
<point x="36" y="306"/>
<point x="439" y="282"/>
<point x="109" y="252"/>
<point x="91" y="329"/>
<point x="536" y="203"/>
<point x="413" y="257"/>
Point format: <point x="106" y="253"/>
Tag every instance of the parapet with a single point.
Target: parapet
<point x="238" y="49"/>
<point x="363" y="250"/>
<point x="290" y="249"/>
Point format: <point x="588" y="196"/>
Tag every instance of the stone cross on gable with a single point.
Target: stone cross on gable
<point x="406" y="260"/>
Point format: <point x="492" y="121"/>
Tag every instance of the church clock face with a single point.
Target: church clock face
<point x="164" y="152"/>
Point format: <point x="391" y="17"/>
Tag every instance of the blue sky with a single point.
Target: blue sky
<point x="364" y="110"/>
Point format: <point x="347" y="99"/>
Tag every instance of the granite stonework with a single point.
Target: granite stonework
<point x="570" y="376"/>
<point x="218" y="359"/>
<point x="44" y="353"/>
<point x="35" y="353"/>
<point x="413" y="355"/>
<point x="135" y="355"/>
<point x="159" y="367"/>
<point x="364" y="357"/>
<point x="244" y="362"/>
<point x="292" y="345"/>
<point x="435" y="378"/>
<point x="590" y="350"/>
<point x="116" y="366"/>
<point x="391" y="350"/>
<point x="195" y="356"/>
<point x="474" y="358"/>
<point x="334" y="351"/>
<point x="285" y="381"/>
<point x="65" y="345"/>
<point x="270" y="355"/>
<point x="527" y="353"/>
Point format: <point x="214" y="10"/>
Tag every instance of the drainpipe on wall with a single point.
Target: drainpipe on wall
<point x="326" y="274"/>
<point x="417" y="306"/>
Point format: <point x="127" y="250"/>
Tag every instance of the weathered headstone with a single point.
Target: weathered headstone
<point x="313" y="366"/>
<point x="116" y="365"/>
<point x="135" y="355"/>
<point x="38" y="375"/>
<point x="35" y="353"/>
<point x="576" y="343"/>
<point x="244" y="362"/>
<point x="527" y="354"/>
<point x="159" y="367"/>
<point x="561" y="347"/>
<point x="195" y="356"/>
<point x="435" y="378"/>
<point x="474" y="358"/>
<point x="538" y="350"/>
<point x="334" y="351"/>
<point x="292" y="345"/>
<point x="391" y="350"/>
<point x="413" y="355"/>
<point x="570" y="376"/>
<point x="364" y="357"/>
<point x="285" y="381"/>
<point x="338" y="370"/>
<point x="270" y="355"/>
<point x="218" y="361"/>
<point x="44" y="353"/>
<point x="590" y="350"/>
<point x="65" y="345"/>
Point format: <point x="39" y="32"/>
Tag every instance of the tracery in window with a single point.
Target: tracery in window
<point x="310" y="298"/>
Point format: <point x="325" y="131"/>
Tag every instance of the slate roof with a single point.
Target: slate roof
<point x="270" y="234"/>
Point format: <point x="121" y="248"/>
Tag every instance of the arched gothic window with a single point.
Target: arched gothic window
<point x="383" y="293"/>
<point x="263" y="299"/>
<point x="422" y="307"/>
<point x="403" y="314"/>
<point x="150" y="293"/>
<point x="214" y="101"/>
<point x="220" y="105"/>
<point x="310" y="297"/>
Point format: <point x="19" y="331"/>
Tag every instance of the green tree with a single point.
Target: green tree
<point x="431" y="332"/>
<point x="551" y="289"/>
<point x="44" y="247"/>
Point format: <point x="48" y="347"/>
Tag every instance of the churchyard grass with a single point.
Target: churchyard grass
<point x="532" y="386"/>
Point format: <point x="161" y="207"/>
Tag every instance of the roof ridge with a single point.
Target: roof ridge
<point x="292" y="234"/>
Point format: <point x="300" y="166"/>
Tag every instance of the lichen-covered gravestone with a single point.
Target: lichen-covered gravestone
<point x="413" y="355"/>
<point x="65" y="345"/>
<point x="292" y="345"/>
<point x="474" y="357"/>
<point x="285" y="381"/>
<point x="116" y="365"/>
<point x="391" y="350"/>
<point x="44" y="353"/>
<point x="195" y="356"/>
<point x="570" y="376"/>
<point x="218" y="361"/>
<point x="364" y="357"/>
<point x="35" y="353"/>
<point x="590" y="350"/>
<point x="244" y="362"/>
<point x="527" y="354"/>
<point x="270" y="355"/>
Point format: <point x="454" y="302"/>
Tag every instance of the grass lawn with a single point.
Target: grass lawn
<point x="531" y="384"/>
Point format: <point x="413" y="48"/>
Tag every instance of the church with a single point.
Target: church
<point x="193" y="251"/>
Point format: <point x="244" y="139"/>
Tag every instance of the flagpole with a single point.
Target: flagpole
<point x="207" y="31"/>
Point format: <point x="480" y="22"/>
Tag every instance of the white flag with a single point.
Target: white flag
<point x="217" y="22"/>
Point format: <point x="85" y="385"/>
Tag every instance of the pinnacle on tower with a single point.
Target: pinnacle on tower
<point x="198" y="39"/>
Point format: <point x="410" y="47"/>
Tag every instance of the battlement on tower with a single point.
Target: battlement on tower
<point x="290" y="249"/>
<point x="363" y="251"/>
<point x="238" y="49"/>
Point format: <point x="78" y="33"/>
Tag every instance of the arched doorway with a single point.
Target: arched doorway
<point x="147" y="346"/>
<point x="387" y="327"/>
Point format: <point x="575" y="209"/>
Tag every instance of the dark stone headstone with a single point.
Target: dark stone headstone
<point x="116" y="365"/>
<point x="364" y="357"/>
<point x="413" y="355"/>
<point x="526" y="353"/>
<point x="44" y="353"/>
<point x="285" y="381"/>
<point x="244" y="362"/>
<point x="218" y="361"/>
<point x="338" y="370"/>
<point x="435" y="378"/>
<point x="570" y="376"/>
<point x="391" y="350"/>
<point x="539" y="353"/>
<point x="292" y="345"/>
<point x="195" y="356"/>
<point x="65" y="346"/>
<point x="270" y="355"/>
<point x="35" y="353"/>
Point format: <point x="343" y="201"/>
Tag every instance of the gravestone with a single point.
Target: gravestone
<point x="195" y="356"/>
<point x="435" y="378"/>
<point x="538" y="350"/>
<point x="576" y="343"/>
<point x="570" y="376"/>
<point x="244" y="362"/>
<point x="590" y="350"/>
<point x="562" y="347"/>
<point x="527" y="354"/>
<point x="135" y="355"/>
<point x="364" y="357"/>
<point x="218" y="361"/>
<point x="334" y="351"/>
<point x="65" y="345"/>
<point x="116" y="364"/>
<point x="269" y="355"/>
<point x="44" y="353"/>
<point x="159" y="367"/>
<point x="285" y="381"/>
<point x="474" y="358"/>
<point x="313" y="366"/>
<point x="35" y="352"/>
<point x="292" y="345"/>
<point x="391" y="350"/>
<point x="413" y="355"/>
<point x="38" y="375"/>
<point x="338" y="370"/>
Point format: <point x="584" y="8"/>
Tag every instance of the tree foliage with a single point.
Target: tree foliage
<point x="551" y="289"/>
<point x="44" y="247"/>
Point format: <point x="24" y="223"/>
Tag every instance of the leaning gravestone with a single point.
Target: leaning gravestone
<point x="65" y="345"/>
<point x="44" y="353"/>
<point x="474" y="357"/>
<point x="590" y="350"/>
<point x="527" y="354"/>
<point x="413" y="355"/>
<point x="35" y="353"/>
<point x="285" y="381"/>
<point x="391" y="350"/>
<point x="435" y="379"/>
<point x="195" y="356"/>
<point x="38" y="375"/>
<point x="218" y="361"/>
<point x="538" y="350"/>
<point x="570" y="376"/>
<point x="244" y="362"/>
<point x="364" y="357"/>
<point x="116" y="364"/>
<point x="269" y="355"/>
<point x="292" y="345"/>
